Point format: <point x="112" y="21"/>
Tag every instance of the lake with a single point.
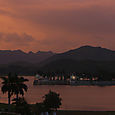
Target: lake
<point x="73" y="97"/>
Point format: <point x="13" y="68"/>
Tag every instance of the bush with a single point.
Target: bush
<point x="52" y="101"/>
<point x="21" y="106"/>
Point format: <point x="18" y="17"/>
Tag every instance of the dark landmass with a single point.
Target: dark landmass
<point x="67" y="112"/>
<point x="18" y="56"/>
<point x="85" y="53"/>
<point x="86" y="59"/>
<point x="4" y="109"/>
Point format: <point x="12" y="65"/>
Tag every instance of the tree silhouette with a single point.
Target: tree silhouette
<point x="13" y="85"/>
<point x="20" y="87"/>
<point x="8" y="85"/>
<point x="52" y="100"/>
<point x="21" y="106"/>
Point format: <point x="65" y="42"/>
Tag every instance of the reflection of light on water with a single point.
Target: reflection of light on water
<point x="3" y="97"/>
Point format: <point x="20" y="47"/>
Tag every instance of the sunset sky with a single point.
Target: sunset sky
<point x="56" y="25"/>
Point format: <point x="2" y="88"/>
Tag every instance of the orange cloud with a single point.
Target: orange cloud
<point x="58" y="25"/>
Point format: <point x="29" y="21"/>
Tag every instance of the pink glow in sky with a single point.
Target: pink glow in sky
<point x="56" y="25"/>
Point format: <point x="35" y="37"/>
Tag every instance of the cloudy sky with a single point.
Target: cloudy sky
<point x="56" y="25"/>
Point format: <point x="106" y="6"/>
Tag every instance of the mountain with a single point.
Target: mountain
<point x="83" y="59"/>
<point x="85" y="53"/>
<point x="8" y="56"/>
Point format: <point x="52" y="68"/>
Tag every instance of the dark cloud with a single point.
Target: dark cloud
<point x="2" y="11"/>
<point x="16" y="40"/>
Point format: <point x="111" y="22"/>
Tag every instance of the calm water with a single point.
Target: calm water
<point x="74" y="98"/>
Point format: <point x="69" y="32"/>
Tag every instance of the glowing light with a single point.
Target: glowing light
<point x="73" y="77"/>
<point x="81" y="78"/>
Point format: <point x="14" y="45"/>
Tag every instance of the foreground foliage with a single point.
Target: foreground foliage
<point x="21" y="106"/>
<point x="13" y="85"/>
<point x="52" y="101"/>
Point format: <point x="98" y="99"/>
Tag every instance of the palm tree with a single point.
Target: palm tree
<point x="20" y="87"/>
<point x="7" y="86"/>
<point x="13" y="85"/>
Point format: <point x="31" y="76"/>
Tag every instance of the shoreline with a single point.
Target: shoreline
<point x="66" y="112"/>
<point x="70" y="112"/>
<point x="74" y="83"/>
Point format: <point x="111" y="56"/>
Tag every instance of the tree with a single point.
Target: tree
<point x="7" y="85"/>
<point x="52" y="101"/>
<point x="39" y="108"/>
<point x="20" y="87"/>
<point x="21" y="106"/>
<point x="13" y="85"/>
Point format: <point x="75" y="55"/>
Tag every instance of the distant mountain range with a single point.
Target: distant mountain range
<point x="83" y="59"/>
<point x="85" y="53"/>
<point x="16" y="56"/>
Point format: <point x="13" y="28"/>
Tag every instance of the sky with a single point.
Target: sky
<point x="56" y="25"/>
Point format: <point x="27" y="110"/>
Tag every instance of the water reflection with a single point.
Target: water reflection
<point x="74" y="98"/>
